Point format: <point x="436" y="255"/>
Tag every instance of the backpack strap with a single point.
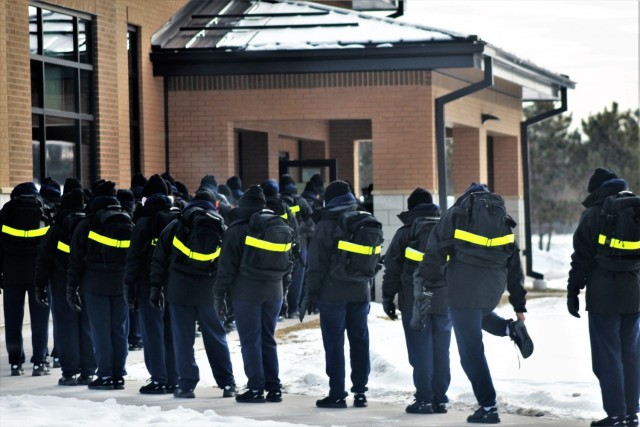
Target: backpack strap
<point x="36" y="232"/>
<point x="476" y="239"/>
<point x="108" y="241"/>
<point x="344" y="245"/>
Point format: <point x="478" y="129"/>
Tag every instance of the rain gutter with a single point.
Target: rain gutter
<point x="440" y="125"/>
<point x="524" y="147"/>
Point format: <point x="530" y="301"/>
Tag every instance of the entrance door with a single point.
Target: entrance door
<point x="310" y="167"/>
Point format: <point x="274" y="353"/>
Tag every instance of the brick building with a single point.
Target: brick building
<point x="102" y="89"/>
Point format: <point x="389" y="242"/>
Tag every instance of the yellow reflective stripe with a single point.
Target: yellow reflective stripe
<point x="108" y="241"/>
<point x="267" y="246"/>
<point x="413" y="254"/>
<point x="285" y="216"/>
<point x="195" y="255"/>
<point x="358" y="249"/>
<point x="37" y="232"/>
<point x="295" y="208"/>
<point x="483" y="241"/>
<point x="63" y="247"/>
<point x="618" y="244"/>
<point x="154" y="241"/>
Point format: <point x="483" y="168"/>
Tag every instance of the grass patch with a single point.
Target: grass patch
<point x="284" y="332"/>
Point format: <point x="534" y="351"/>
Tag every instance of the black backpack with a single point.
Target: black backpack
<point x="416" y="245"/>
<point x="618" y="241"/>
<point x="358" y="241"/>
<point x="197" y="242"/>
<point x="160" y="220"/>
<point x="483" y="231"/>
<point x="267" y="247"/>
<point x="66" y="226"/>
<point x="24" y="223"/>
<point x="109" y="238"/>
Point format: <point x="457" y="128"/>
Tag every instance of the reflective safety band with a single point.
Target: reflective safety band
<point x="285" y="216"/>
<point x="38" y="232"/>
<point x="63" y="247"/>
<point x="358" y="249"/>
<point x="154" y="242"/>
<point x="483" y="241"/>
<point x="295" y="208"/>
<point x="413" y="254"/>
<point x="267" y="246"/>
<point x="618" y="244"/>
<point x="108" y="241"/>
<point x="195" y="255"/>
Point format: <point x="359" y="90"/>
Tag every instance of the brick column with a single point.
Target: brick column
<point x="469" y="157"/>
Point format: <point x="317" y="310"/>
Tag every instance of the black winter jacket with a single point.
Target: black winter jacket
<point x="469" y="286"/>
<point x="318" y="283"/>
<point x="607" y="291"/>
<point x="395" y="262"/>
<point x="229" y="280"/>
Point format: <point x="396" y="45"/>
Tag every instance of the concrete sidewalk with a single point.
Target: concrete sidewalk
<point x="298" y="409"/>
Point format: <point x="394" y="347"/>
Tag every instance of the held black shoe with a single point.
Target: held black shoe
<point x="518" y="333"/>
<point x="17" y="370"/>
<point x="70" y="380"/>
<point x="40" y="369"/>
<point x="420" y="407"/>
<point x="229" y="390"/>
<point x="360" y="400"/>
<point x="251" y="396"/>
<point x="484" y="416"/>
<point x="440" y="408"/>
<point x="101" y="383"/>
<point x="331" y="402"/>
<point x="274" y="396"/>
<point x="184" y="393"/>
<point x="153" y="387"/>
<point x="610" y="421"/>
<point x="85" y="379"/>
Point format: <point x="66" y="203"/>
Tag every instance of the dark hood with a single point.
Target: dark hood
<point x="609" y="188"/>
<point x="421" y="210"/>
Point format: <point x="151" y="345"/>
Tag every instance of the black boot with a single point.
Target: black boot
<point x="251" y="396"/>
<point x="331" y="402"/>
<point x="484" y="416"/>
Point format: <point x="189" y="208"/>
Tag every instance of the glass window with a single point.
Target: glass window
<point x="86" y="91"/>
<point x="60" y="147"/>
<point x="36" y="84"/>
<point x="86" y="136"/>
<point x="58" y="35"/>
<point x="84" y="41"/>
<point x="36" y="138"/>
<point x="60" y="85"/>
<point x="33" y="30"/>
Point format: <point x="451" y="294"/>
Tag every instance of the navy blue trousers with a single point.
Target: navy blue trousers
<point x="256" y="322"/>
<point x="429" y="356"/>
<point x="297" y="279"/>
<point x="468" y="324"/>
<point x="135" y="334"/>
<point x="615" y="356"/>
<point x="13" y="297"/>
<point x="335" y="319"/>
<point x="72" y="335"/>
<point x="183" y="328"/>
<point x="108" y="316"/>
<point x="159" y="357"/>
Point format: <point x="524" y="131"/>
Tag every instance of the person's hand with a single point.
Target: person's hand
<point x="573" y="305"/>
<point x="389" y="308"/>
<point x="41" y="296"/>
<point x="130" y="297"/>
<point x="220" y="307"/>
<point x="421" y="307"/>
<point x="156" y="298"/>
<point x="73" y="299"/>
<point x="306" y="306"/>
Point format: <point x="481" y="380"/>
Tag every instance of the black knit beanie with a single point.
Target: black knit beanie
<point x="107" y="188"/>
<point x="206" y="195"/>
<point x="419" y="196"/>
<point x="270" y="188"/>
<point x="335" y="189"/>
<point x="72" y="200"/>
<point x="253" y="198"/>
<point x="182" y="189"/>
<point x="71" y="184"/>
<point x="168" y="177"/>
<point x="138" y="180"/>
<point x="24" y="189"/>
<point x="154" y="185"/>
<point x="600" y="175"/>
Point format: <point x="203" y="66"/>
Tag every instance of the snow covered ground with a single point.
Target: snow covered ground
<point x="555" y="381"/>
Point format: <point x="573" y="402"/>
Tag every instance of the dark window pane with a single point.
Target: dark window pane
<point x="86" y="92"/>
<point x="86" y="133"/>
<point x="60" y="88"/>
<point x="85" y="41"/>
<point x="36" y="137"/>
<point x="60" y="148"/>
<point x="33" y="29"/>
<point x="58" y="35"/>
<point x="36" y="84"/>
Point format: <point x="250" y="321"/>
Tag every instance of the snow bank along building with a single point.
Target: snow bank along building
<point x="104" y="89"/>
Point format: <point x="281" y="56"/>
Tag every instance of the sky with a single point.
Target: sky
<point x="556" y="380"/>
<point x="594" y="42"/>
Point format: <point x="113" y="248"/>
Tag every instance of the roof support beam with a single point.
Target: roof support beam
<point x="487" y="81"/>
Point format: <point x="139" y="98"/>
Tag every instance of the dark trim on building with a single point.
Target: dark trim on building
<point x="165" y="91"/>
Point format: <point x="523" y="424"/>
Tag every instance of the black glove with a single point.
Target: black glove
<point x="41" y="296"/>
<point x="573" y="305"/>
<point x="220" y="307"/>
<point x="389" y="308"/>
<point x="156" y="298"/>
<point x="421" y="307"/>
<point x="73" y="299"/>
<point x="130" y="297"/>
<point x="306" y="306"/>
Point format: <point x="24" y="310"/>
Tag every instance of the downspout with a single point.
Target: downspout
<point x="524" y="148"/>
<point x="399" y="10"/>
<point x="440" y="125"/>
<point x="166" y="123"/>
